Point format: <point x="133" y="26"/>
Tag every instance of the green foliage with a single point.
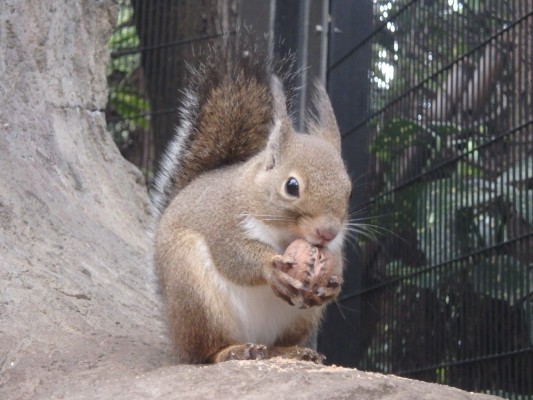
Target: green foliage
<point x="458" y="212"/>
<point x="395" y="136"/>
<point x="128" y="109"/>
<point x="130" y="105"/>
<point x="452" y="182"/>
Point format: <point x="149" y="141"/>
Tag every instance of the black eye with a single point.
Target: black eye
<point x="292" y="187"/>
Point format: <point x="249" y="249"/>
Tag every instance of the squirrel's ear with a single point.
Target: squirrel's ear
<point x="275" y="142"/>
<point x="279" y="102"/>
<point x="282" y="124"/>
<point x="324" y="123"/>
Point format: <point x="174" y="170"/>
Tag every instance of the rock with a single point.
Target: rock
<point x="74" y="276"/>
<point x="78" y="316"/>
<point x="272" y="379"/>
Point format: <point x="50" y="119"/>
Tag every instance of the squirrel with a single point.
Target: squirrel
<point x="237" y="185"/>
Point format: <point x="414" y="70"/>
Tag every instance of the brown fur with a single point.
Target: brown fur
<point x="231" y="131"/>
<point x="227" y="112"/>
<point x="219" y="242"/>
<point x="252" y="351"/>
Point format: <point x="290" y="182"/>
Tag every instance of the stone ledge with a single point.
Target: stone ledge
<point x="255" y="380"/>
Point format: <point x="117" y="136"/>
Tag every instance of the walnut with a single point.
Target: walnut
<point x="316" y="267"/>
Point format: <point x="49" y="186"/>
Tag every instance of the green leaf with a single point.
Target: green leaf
<point x="127" y="63"/>
<point x="130" y="105"/>
<point x="125" y="14"/>
<point x="444" y="129"/>
<point x="125" y="37"/>
<point x="395" y="135"/>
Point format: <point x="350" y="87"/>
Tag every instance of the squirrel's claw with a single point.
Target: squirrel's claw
<point x="321" y="295"/>
<point x="285" y="286"/>
<point x="297" y="293"/>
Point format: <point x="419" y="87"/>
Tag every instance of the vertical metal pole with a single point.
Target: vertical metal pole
<point x="271" y="27"/>
<point x="323" y="71"/>
<point x="341" y="338"/>
<point x="302" y="60"/>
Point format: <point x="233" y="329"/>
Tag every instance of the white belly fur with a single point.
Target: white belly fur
<point x="259" y="315"/>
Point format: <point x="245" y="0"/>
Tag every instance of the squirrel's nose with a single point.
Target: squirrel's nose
<point x="327" y="234"/>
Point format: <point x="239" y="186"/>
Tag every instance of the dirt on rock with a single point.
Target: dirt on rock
<point x="79" y="318"/>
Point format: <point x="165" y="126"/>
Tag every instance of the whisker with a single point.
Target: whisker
<point x="358" y="186"/>
<point x="359" y="211"/>
<point x="355" y="180"/>
<point x="362" y="210"/>
<point x="355" y="233"/>
<point x="370" y="231"/>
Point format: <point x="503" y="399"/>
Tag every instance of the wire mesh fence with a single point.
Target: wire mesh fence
<point x="446" y="292"/>
<point x="151" y="48"/>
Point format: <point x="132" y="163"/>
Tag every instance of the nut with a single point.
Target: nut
<point x="316" y="267"/>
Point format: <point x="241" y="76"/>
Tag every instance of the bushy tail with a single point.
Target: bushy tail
<point x="225" y="116"/>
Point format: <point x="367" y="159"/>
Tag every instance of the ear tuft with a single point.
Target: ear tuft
<point x="324" y="123"/>
<point x="282" y="127"/>
<point x="279" y="101"/>
<point x="273" y="152"/>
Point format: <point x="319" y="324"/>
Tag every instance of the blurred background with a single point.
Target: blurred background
<point x="434" y="102"/>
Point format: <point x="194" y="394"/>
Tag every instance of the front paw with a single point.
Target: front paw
<point x="248" y="351"/>
<point x="304" y="354"/>
<point x="284" y="285"/>
<point x="306" y="275"/>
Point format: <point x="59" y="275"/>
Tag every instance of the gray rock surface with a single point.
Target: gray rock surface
<point x="274" y="379"/>
<point x="78" y="317"/>
<point x="74" y="285"/>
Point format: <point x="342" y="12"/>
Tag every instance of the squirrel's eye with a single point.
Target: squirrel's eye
<point x="292" y="187"/>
